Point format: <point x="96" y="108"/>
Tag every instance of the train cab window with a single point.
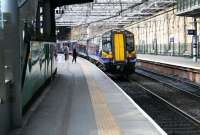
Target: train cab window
<point x="130" y="43"/>
<point x="107" y="47"/>
<point x="108" y="39"/>
<point x="106" y="42"/>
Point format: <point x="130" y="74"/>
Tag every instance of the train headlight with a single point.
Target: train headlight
<point x="132" y="54"/>
<point x="109" y="56"/>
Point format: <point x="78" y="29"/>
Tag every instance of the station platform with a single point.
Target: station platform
<point x="82" y="100"/>
<point x="178" y="67"/>
<point x="171" y="60"/>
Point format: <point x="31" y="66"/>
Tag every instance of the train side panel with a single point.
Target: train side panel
<point x="40" y="67"/>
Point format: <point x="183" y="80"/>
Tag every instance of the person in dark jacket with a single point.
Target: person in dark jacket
<point x="74" y="55"/>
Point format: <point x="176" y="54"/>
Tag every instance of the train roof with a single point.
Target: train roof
<point x="66" y="41"/>
<point x="108" y="33"/>
<point x="105" y="34"/>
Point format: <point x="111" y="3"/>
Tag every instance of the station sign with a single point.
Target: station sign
<point x="191" y="32"/>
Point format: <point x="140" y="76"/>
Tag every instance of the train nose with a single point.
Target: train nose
<point x="119" y="47"/>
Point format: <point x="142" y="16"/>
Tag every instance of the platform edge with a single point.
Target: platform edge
<point x="136" y="105"/>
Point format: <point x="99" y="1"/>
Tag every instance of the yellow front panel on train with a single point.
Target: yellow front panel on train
<point x="119" y="47"/>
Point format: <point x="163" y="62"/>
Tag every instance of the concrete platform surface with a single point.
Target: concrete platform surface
<point x="171" y="60"/>
<point x="84" y="101"/>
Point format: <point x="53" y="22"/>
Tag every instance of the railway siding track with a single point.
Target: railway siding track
<point x="182" y="99"/>
<point x="181" y="85"/>
<point x="173" y="106"/>
<point x="170" y="118"/>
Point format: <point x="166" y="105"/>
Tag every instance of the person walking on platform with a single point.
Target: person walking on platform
<point x="74" y="55"/>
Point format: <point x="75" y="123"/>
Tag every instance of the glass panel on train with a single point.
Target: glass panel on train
<point x="107" y="47"/>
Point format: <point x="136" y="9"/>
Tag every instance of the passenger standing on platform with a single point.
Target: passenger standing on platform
<point x="74" y="55"/>
<point x="66" y="53"/>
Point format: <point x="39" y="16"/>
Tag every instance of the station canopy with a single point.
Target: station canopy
<point x="109" y="12"/>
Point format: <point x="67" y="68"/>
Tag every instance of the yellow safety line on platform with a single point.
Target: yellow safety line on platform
<point x="105" y="121"/>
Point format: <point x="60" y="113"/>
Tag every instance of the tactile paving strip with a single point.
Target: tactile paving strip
<point x="105" y="121"/>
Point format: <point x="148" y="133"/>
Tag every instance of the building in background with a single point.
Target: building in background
<point x="191" y="8"/>
<point x="188" y="7"/>
<point x="166" y="33"/>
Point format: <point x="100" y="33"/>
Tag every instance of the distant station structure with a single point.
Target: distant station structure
<point x="191" y="8"/>
<point x="173" y="31"/>
<point x="166" y="27"/>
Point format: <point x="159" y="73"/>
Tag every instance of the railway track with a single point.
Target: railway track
<point x="179" y="84"/>
<point x="173" y="104"/>
<point x="179" y="94"/>
<point x="171" y="119"/>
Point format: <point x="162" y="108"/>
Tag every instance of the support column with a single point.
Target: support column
<point x="146" y="28"/>
<point x="155" y="40"/>
<point x="53" y="22"/>
<point x="138" y="29"/>
<point x="12" y="60"/>
<point x="179" y="49"/>
<point x="88" y="36"/>
<point x="168" y="42"/>
<point x="185" y="36"/>
<point x="45" y="21"/>
<point x="173" y="47"/>
<point x="194" y="41"/>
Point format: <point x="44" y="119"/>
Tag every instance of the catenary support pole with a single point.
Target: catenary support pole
<point x="194" y="41"/>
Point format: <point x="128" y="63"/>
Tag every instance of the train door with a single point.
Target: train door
<point x="119" y="47"/>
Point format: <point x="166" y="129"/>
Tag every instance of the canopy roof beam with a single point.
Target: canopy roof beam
<point x="101" y="11"/>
